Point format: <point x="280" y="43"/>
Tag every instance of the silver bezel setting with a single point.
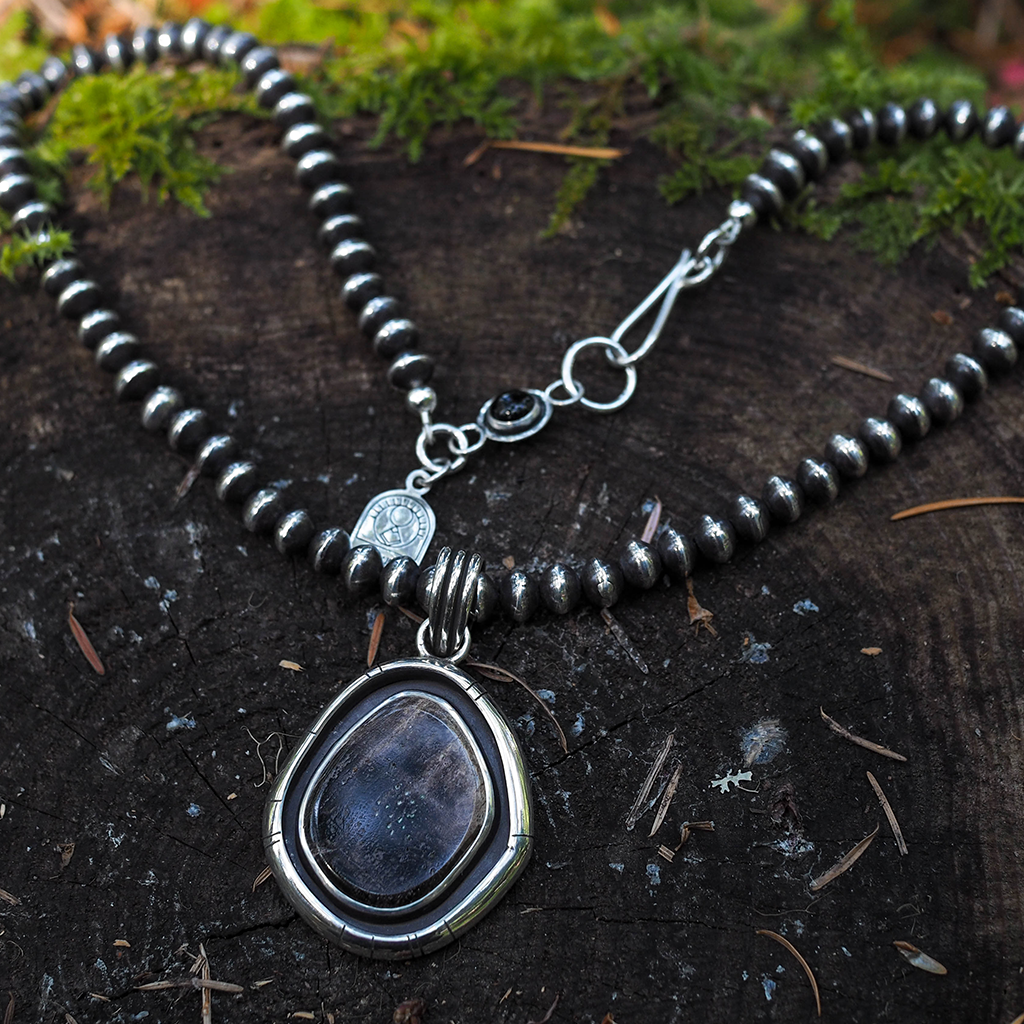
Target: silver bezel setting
<point x="460" y="900"/>
<point x="495" y="430"/>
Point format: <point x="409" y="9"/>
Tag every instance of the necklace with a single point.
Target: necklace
<point x="715" y="541"/>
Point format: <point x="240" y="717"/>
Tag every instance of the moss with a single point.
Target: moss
<point x="718" y="73"/>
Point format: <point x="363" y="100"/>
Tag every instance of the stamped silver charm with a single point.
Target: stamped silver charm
<point x="398" y="524"/>
<point x="404" y="814"/>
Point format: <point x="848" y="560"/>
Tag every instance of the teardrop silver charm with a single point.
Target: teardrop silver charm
<point x="404" y="814"/>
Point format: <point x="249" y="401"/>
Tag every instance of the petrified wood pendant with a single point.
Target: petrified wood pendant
<point x="405" y="813"/>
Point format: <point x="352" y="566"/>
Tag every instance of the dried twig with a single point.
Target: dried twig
<point x="653" y="521"/>
<point x="623" y="638"/>
<point x="783" y="941"/>
<point x="890" y="814"/>
<point x="502" y="675"/>
<point x="375" y="635"/>
<point x="844" y="863"/>
<point x="9" y="897"/>
<point x="208" y="984"/>
<point x="866" y="744"/>
<point x="923" y="961"/>
<point x="666" y="800"/>
<point x="551" y="1010"/>
<point x="84" y="643"/>
<point x="558" y="148"/>
<point x="940" y="506"/>
<point x="9" y="1012"/>
<point x="204" y="977"/>
<point x="852" y="364"/>
<point x="637" y="810"/>
<point x="1018" y="1020"/>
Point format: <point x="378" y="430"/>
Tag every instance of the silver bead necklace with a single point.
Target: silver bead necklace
<point x="417" y="738"/>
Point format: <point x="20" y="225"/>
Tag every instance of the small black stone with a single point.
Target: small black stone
<point x="513" y="406"/>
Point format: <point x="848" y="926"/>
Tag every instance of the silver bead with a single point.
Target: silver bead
<point x="237" y="483"/>
<point x="715" y="538"/>
<point x="272" y="86"/>
<point x="410" y="370"/>
<point x="352" y="256"/>
<point x="31" y="218"/>
<point x="677" y="553"/>
<point x="783" y="499"/>
<point x="55" y="71"/>
<point x="215" y="454"/>
<point x="294" y="108"/>
<point x="967" y="374"/>
<point x="398" y="581"/>
<point x="749" y="518"/>
<point x="998" y="127"/>
<point x="892" y="124"/>
<point x="910" y="416"/>
<point x="188" y="430"/>
<point x="640" y="565"/>
<point x="316" y="168"/>
<point x="942" y="400"/>
<point x="1018" y="143"/>
<point x="262" y="511"/>
<point x="742" y="211"/>
<point x="95" y="326"/>
<point x="811" y="152"/>
<point x="16" y="190"/>
<point x="360" y="570"/>
<point x="293" y="532"/>
<point x="303" y="138"/>
<point x="79" y="298"/>
<point x="961" y="120"/>
<point x="785" y="171"/>
<point x="394" y="337"/>
<point x="995" y="350"/>
<point x="117" y="53"/>
<point x="881" y="439"/>
<point x="136" y="380"/>
<point x="330" y="200"/>
<point x="327" y="549"/>
<point x="83" y="60"/>
<point x="161" y="406"/>
<point x="235" y="47"/>
<point x="339" y="228"/>
<point x="376" y="313"/>
<point x="1011" y="320"/>
<point x="13" y="161"/>
<point x="360" y="288"/>
<point x="421" y="400"/>
<point x="423" y="585"/>
<point x="144" y="45"/>
<point x="924" y="119"/>
<point x="487" y="600"/>
<point x="193" y="33"/>
<point x="520" y="596"/>
<point x="116" y="351"/>
<point x="560" y="589"/>
<point x="603" y="583"/>
<point x="847" y="455"/>
<point x="59" y="274"/>
<point x="818" y="480"/>
<point x="763" y="195"/>
<point x="257" y="62"/>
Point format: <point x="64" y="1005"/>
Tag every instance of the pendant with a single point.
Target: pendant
<point x="404" y="814"/>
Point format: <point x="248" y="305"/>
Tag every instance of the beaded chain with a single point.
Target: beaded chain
<point x="560" y="588"/>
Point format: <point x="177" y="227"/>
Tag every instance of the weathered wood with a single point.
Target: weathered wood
<point x="192" y="617"/>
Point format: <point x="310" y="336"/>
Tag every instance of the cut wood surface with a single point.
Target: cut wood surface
<point x="152" y="773"/>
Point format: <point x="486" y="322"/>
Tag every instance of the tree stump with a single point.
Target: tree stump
<point x="132" y="801"/>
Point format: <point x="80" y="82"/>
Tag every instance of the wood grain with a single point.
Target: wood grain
<point x="192" y="617"/>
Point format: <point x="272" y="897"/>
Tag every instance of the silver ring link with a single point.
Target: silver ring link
<point x="612" y="348"/>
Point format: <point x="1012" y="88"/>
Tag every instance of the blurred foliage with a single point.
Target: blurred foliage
<point x="723" y="76"/>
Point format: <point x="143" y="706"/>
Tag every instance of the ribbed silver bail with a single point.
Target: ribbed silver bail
<point x="445" y="633"/>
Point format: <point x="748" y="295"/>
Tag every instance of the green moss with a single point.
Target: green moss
<point x="718" y="73"/>
<point x="31" y="252"/>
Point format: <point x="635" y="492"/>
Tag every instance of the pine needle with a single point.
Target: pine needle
<point x="941" y="506"/>
<point x="844" y="863"/>
<point x="82" y="639"/>
<point x="867" y="371"/>
<point x="890" y="814"/>
<point x="866" y="744"/>
<point x="783" y="941"/>
<point x="502" y="675"/>
<point x="375" y="635"/>
<point x="558" y="148"/>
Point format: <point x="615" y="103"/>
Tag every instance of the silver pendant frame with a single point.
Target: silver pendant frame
<point x="460" y="902"/>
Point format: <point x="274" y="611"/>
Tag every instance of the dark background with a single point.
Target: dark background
<point x="192" y="616"/>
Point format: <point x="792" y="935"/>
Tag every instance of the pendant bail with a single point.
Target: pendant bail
<point x="445" y="632"/>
